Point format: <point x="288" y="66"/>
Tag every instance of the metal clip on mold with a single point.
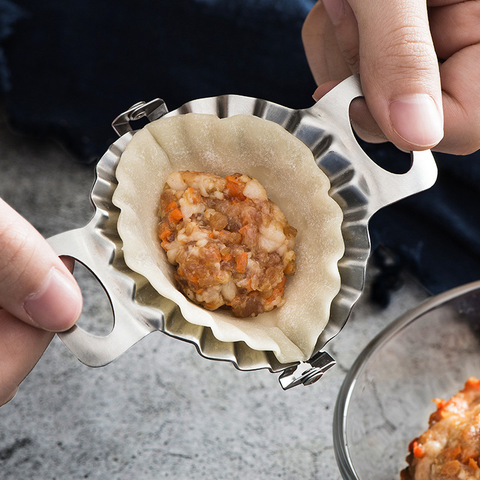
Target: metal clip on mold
<point x="306" y="373"/>
<point x="152" y="110"/>
<point x="358" y="185"/>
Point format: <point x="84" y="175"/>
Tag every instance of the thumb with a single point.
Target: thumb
<point x="35" y="285"/>
<point x="399" y="71"/>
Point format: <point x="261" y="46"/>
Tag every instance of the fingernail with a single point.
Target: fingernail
<point x="9" y="398"/>
<point x="335" y="10"/>
<point x="417" y="119"/>
<point x="57" y="305"/>
<point x="317" y="94"/>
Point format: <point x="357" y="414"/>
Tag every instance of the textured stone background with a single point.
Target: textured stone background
<point x="160" y="411"/>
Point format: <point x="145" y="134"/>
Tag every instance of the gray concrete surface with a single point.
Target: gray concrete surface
<point x="160" y="411"/>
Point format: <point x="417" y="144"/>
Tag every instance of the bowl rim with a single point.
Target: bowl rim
<point x="340" y="438"/>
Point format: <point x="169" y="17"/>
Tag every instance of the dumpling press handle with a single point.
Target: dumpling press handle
<point x="93" y="350"/>
<point x="383" y="187"/>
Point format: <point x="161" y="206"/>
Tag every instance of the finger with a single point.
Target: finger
<point x="321" y="48"/>
<point x="362" y="121"/>
<point x="345" y="28"/>
<point x="35" y="285"/>
<point x="399" y="71"/>
<point x="443" y="3"/>
<point x="324" y="88"/>
<point x="455" y="27"/>
<point x="346" y="31"/>
<point x="21" y="346"/>
<point x="461" y="85"/>
<point x="327" y="63"/>
<point x="364" y="124"/>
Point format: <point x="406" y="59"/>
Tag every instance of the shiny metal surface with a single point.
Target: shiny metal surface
<point x="358" y="185"/>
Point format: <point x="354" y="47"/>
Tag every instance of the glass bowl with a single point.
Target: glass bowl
<point x="386" y="398"/>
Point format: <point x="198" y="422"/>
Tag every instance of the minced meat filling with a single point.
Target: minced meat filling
<point x="450" y="448"/>
<point x="230" y="244"/>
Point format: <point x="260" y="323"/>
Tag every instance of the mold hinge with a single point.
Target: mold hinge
<point x="153" y="110"/>
<point x="306" y="373"/>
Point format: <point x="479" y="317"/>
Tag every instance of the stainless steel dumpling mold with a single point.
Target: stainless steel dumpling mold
<point x="358" y="185"/>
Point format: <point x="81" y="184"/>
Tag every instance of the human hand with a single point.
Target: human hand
<point x="419" y="68"/>
<point x="38" y="296"/>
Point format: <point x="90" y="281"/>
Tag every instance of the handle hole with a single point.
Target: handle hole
<point x="97" y="314"/>
<point x="385" y="155"/>
<point x="388" y="156"/>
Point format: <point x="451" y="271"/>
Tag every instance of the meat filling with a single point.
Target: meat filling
<point x="450" y="448"/>
<point x="230" y="244"/>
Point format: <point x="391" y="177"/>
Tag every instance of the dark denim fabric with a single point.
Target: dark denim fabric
<point x="67" y="68"/>
<point x="435" y="233"/>
<point x="71" y="66"/>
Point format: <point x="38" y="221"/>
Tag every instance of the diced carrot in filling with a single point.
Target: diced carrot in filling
<point x="235" y="186"/>
<point x="175" y="215"/>
<point x="171" y="206"/>
<point x="241" y="263"/>
<point x="450" y="448"/>
<point x="231" y="246"/>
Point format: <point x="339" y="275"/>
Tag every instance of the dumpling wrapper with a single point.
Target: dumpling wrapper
<point x="286" y="168"/>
